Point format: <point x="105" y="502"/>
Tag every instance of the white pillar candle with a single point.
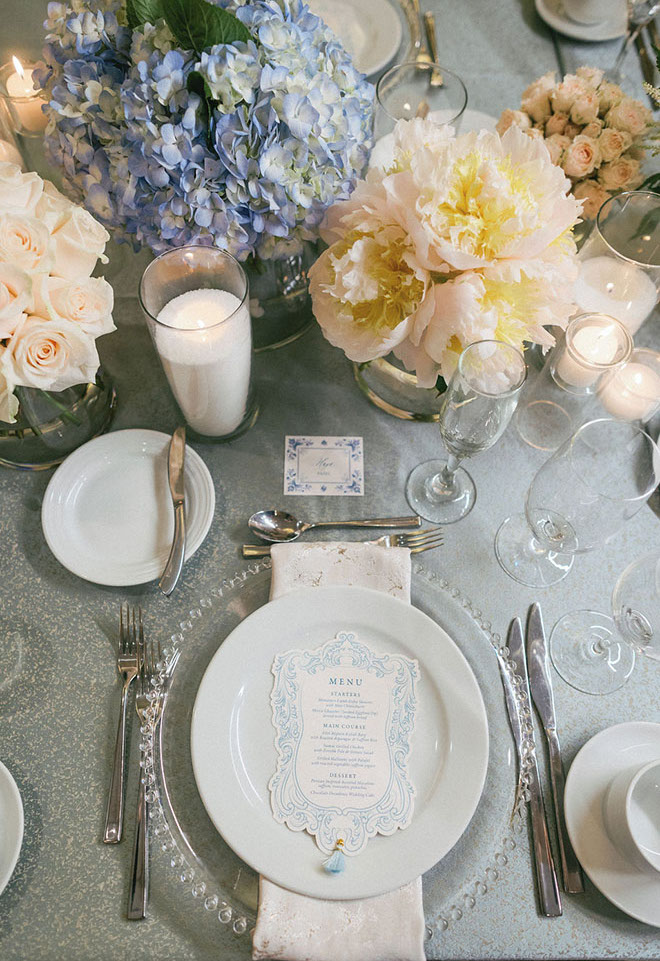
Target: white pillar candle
<point x="590" y="345"/>
<point x="204" y="341"/>
<point x="631" y="393"/>
<point x="615" y="287"/>
<point x="25" y="100"/>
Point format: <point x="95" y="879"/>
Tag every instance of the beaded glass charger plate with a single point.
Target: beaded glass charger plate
<point x="207" y="869"/>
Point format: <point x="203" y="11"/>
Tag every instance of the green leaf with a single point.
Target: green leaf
<point x="197" y="83"/>
<point x="197" y="24"/>
<point x="143" y="11"/>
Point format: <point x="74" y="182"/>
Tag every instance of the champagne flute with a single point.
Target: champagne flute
<point x="477" y="407"/>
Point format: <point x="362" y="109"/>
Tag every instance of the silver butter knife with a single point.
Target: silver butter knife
<point x="175" y="469"/>
<point x="546" y="875"/>
<point x="541" y="686"/>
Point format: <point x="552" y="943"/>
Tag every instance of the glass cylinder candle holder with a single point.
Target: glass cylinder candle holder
<point x="195" y="301"/>
<point x="632" y="391"/>
<point x="620" y="261"/>
<point x="558" y="400"/>
<point x="415" y="89"/>
<point x="22" y="102"/>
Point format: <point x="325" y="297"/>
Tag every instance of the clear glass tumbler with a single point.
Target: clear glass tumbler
<point x="195" y="301"/>
<point x="579" y="499"/>
<point x="416" y="89"/>
<point x="596" y="653"/>
<point x="477" y="407"/>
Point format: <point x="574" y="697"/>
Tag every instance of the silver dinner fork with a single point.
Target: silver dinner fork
<point x="127" y="665"/>
<point x="417" y="541"/>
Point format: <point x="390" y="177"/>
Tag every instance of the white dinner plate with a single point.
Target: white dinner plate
<point x="370" y="30"/>
<point x="107" y="513"/>
<point x="11" y="826"/>
<point x="613" y="750"/>
<point x="233" y="740"/>
<point x="552" y="11"/>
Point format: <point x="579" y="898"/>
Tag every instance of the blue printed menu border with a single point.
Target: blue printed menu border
<point x="288" y="801"/>
<point x="351" y="481"/>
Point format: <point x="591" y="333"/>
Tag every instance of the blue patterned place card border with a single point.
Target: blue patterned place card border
<point x="324" y="466"/>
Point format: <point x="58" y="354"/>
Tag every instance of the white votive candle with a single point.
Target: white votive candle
<point x="631" y="393"/>
<point x="26" y="102"/>
<point x="615" y="287"/>
<point x="592" y="348"/>
<point x="204" y="341"/>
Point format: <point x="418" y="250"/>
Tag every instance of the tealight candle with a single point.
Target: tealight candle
<point x="593" y="343"/>
<point x="632" y="392"/>
<point x="616" y="287"/>
<point x="24" y="101"/>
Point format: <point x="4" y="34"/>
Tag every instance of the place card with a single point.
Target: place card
<point x="323" y="465"/>
<point x="344" y="716"/>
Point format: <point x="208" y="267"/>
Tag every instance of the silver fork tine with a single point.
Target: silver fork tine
<point x="426" y="547"/>
<point x="420" y="537"/>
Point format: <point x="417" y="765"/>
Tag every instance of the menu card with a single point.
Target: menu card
<point x="344" y="716"/>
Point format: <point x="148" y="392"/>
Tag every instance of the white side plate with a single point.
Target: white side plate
<point x="552" y="11"/>
<point x="11" y="826"/>
<point x="370" y="30"/>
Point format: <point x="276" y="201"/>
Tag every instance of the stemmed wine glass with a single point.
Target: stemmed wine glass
<point x="640" y="12"/>
<point x="579" y="498"/>
<point x="585" y="647"/>
<point x="477" y="407"/>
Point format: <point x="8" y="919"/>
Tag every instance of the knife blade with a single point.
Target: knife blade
<point x="175" y="471"/>
<point x="546" y="875"/>
<point x="541" y="686"/>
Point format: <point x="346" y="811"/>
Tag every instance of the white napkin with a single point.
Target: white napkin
<point x="293" y="927"/>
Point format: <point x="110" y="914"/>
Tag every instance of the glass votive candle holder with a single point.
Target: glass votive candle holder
<point x="632" y="391"/>
<point x="195" y="301"/>
<point x="557" y="401"/>
<point x="21" y="101"/>
<point x="416" y="89"/>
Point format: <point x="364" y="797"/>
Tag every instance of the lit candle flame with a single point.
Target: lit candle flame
<point x="19" y="67"/>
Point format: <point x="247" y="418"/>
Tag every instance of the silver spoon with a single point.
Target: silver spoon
<point x="278" y="526"/>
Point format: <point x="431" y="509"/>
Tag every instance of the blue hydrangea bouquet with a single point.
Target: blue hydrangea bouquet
<point x="234" y="123"/>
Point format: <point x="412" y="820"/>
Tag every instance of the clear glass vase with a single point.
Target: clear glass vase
<point x="51" y="424"/>
<point x="280" y="304"/>
<point x="395" y="390"/>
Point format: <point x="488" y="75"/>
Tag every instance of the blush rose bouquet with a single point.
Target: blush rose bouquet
<point x="51" y="308"/>
<point x="457" y="239"/>
<point x="592" y="130"/>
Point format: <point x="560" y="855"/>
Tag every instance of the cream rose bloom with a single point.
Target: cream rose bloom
<point x="629" y="115"/>
<point x="53" y="208"/>
<point x="49" y="354"/>
<point x="613" y="143"/>
<point x="19" y="191"/>
<point x="591" y="75"/>
<point x="585" y="108"/>
<point x="566" y="93"/>
<point x="24" y="242"/>
<point x="15" y="298"/>
<point x="557" y="144"/>
<point x="593" y="195"/>
<point x="608" y="94"/>
<point x="536" y="98"/>
<point x="86" y="303"/>
<point x="556" y="124"/>
<point x="581" y="157"/>
<point x="513" y="118"/>
<point x="621" y="174"/>
<point x="8" y="402"/>
<point x="78" y="242"/>
<point x="593" y="129"/>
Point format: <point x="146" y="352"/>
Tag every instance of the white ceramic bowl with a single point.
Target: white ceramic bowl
<point x="632" y="815"/>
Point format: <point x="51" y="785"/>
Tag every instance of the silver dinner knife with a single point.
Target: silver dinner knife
<point x="175" y="469"/>
<point x="546" y="875"/>
<point x="541" y="686"/>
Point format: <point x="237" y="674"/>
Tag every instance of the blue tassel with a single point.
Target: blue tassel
<point x="336" y="863"/>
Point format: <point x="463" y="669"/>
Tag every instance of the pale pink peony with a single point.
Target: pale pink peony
<point x="581" y="157"/>
<point x="556" y="124"/>
<point x="593" y="195"/>
<point x="620" y="174"/>
<point x="613" y="143"/>
<point x="585" y="108"/>
<point x="513" y="118"/>
<point x="629" y="115"/>
<point x="536" y="98"/>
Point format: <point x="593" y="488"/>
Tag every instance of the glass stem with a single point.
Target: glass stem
<point x="444" y="483"/>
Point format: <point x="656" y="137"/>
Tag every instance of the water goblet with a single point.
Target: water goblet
<point x="596" y="653"/>
<point x="578" y="500"/>
<point x="411" y="89"/>
<point x="477" y="407"/>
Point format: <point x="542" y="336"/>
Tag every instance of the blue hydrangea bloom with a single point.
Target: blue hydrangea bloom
<point x="289" y="135"/>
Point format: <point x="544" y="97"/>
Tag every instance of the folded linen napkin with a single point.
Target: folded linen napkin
<point x="293" y="927"/>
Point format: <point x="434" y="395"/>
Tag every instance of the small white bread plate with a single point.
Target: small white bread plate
<point x="611" y="751"/>
<point x="11" y="826"/>
<point x="552" y="11"/>
<point x="233" y="740"/>
<point x="107" y="513"/>
<point x="370" y="30"/>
